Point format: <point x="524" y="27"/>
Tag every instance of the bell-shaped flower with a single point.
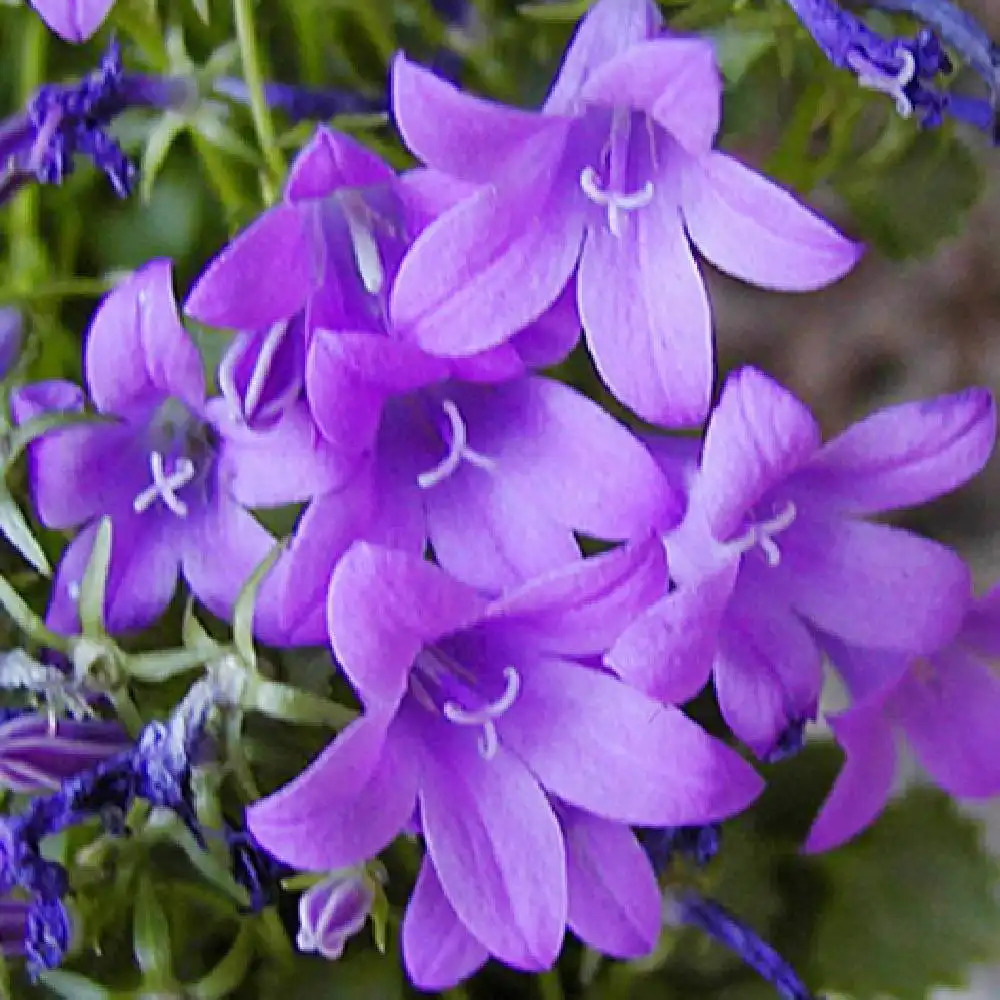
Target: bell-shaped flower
<point x="158" y="465"/>
<point x="497" y="477"/>
<point x="607" y="186"/>
<point x="946" y="704"/>
<point x="485" y="719"/>
<point x="774" y="539"/>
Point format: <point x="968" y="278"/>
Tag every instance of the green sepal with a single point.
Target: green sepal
<point x="161" y="665"/>
<point x="289" y="704"/>
<point x="151" y="936"/>
<point x="244" y="608"/>
<point x="15" y="529"/>
<point x="93" y="586"/>
<point x="229" y="973"/>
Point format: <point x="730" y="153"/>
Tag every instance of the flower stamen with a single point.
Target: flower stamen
<point x="763" y="533"/>
<point x="616" y="202"/>
<point x="487" y="714"/>
<point x="871" y="77"/>
<point x="164" y="487"/>
<point x="458" y="450"/>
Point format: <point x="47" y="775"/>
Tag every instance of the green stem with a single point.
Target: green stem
<point x="259" y="110"/>
<point x="550" y="986"/>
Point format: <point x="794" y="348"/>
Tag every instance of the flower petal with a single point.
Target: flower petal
<point x="459" y="134"/>
<point x="675" y="80"/>
<point x="350" y="375"/>
<point x="621" y="755"/>
<point x="332" y="160"/>
<point x="608" y="29"/>
<point x="614" y="899"/>
<point x="758" y="434"/>
<point x="949" y="708"/>
<point x="136" y="349"/>
<point x="497" y="848"/>
<point x="264" y="275"/>
<point x="571" y="458"/>
<point x="438" y="950"/>
<point x="754" y="230"/>
<point x="221" y="550"/>
<point x="873" y="585"/>
<point x="905" y="454"/>
<point x="667" y="652"/>
<point x="73" y="20"/>
<point x="645" y="313"/>
<point x="581" y="608"/>
<point x="864" y="784"/>
<point x="491" y="265"/>
<point x="346" y="806"/>
<point x="384" y="607"/>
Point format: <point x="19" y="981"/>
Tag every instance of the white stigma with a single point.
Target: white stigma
<point x="262" y="368"/>
<point x="762" y="534"/>
<point x="487" y="715"/>
<point x="617" y="202"/>
<point x="367" y="258"/>
<point x="164" y="487"/>
<point x="458" y="450"/>
<point x="871" y="78"/>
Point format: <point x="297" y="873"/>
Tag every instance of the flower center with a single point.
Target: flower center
<point x="873" y="77"/>
<point x="619" y="193"/>
<point x="458" y="450"/>
<point x="763" y="534"/>
<point x="444" y="687"/>
<point x="165" y="485"/>
<point x="260" y="395"/>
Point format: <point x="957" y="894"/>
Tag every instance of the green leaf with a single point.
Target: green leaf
<point x="912" y="903"/>
<point x="94" y="584"/>
<point x="566" y="11"/>
<point x="243" y="611"/>
<point x="201" y="9"/>
<point x="151" y="935"/>
<point x="738" y="45"/>
<point x="15" y="529"/>
<point x="73" y="986"/>
<point x="161" y="665"/>
<point x="161" y="138"/>
<point x="906" y="208"/>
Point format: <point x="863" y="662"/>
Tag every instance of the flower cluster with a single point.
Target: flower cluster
<point x="521" y="703"/>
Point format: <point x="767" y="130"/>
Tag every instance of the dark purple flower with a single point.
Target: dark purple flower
<point x="332" y="911"/>
<point x="38" y="752"/>
<point x="603" y="190"/>
<point x="64" y="121"/>
<point x="301" y="103"/>
<point x="47" y="935"/>
<point x="726" y="928"/>
<point x="73" y="20"/>
<point x="946" y="704"/>
<point x="13" y="926"/>
<point x="699" y="843"/>
<point x="11" y="338"/>
<point x="159" y="466"/>
<point x="253" y="868"/>
<point x="524" y="762"/>
<point x="773" y="541"/>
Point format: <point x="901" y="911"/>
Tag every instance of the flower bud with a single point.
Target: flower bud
<point x="332" y="911"/>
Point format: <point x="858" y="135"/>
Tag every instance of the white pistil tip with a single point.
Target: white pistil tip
<point x="458" y="449"/>
<point x="165" y="486"/>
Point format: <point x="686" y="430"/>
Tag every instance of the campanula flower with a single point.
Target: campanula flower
<point x="73" y="20"/>
<point x="478" y="715"/>
<point x="11" y="338"/>
<point x="13" y="926"/>
<point x="774" y="538"/>
<point x="946" y="704"/>
<point x="157" y="465"/>
<point x="605" y="187"/>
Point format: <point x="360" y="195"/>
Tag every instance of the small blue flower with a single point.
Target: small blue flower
<point x="332" y="911"/>
<point x="699" y="843"/>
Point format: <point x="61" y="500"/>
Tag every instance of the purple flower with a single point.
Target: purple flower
<point x="497" y="477"/>
<point x="332" y="911"/>
<point x="11" y="338"/>
<point x="37" y="752"/>
<point x="62" y="122"/>
<point x="947" y="704"/>
<point x="47" y="934"/>
<point x="158" y="466"/>
<point x="607" y="183"/>
<point x="521" y="760"/>
<point x="13" y="926"/>
<point x="73" y="20"/>
<point x="773" y="540"/>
